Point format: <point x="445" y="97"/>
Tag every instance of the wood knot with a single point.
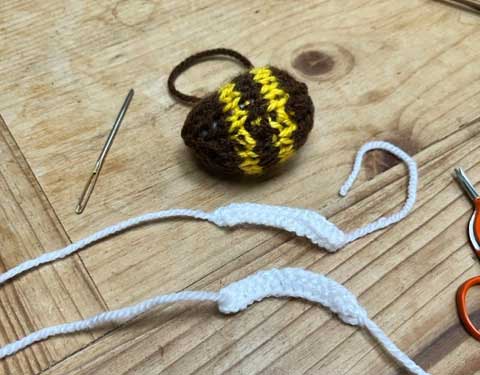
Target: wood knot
<point x="133" y="12"/>
<point x="378" y="161"/>
<point x="313" y="63"/>
<point x="322" y="61"/>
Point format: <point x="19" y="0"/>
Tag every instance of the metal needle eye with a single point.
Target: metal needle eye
<point x="466" y="184"/>
<point x="87" y="191"/>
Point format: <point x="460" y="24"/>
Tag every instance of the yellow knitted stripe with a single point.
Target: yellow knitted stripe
<point x="244" y="140"/>
<point x="277" y="99"/>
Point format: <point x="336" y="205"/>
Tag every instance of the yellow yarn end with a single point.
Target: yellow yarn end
<point x="230" y="98"/>
<point x="277" y="100"/>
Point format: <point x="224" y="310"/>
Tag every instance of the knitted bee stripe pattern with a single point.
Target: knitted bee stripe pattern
<point x="257" y="122"/>
<point x="276" y="113"/>
<point x="251" y="124"/>
<point x="245" y="143"/>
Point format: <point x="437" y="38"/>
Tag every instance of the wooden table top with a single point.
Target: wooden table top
<point x="402" y="71"/>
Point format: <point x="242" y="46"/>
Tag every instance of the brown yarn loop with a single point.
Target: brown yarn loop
<point x="195" y="59"/>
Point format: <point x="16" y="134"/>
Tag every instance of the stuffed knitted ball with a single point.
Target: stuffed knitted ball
<point x="249" y="125"/>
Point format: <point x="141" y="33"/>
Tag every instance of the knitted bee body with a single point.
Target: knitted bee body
<point x="251" y="124"/>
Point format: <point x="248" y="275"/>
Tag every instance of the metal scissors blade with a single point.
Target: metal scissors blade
<point x="474" y="223"/>
<point x="466" y="184"/>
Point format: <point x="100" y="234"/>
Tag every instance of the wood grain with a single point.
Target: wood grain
<point x="52" y="295"/>
<point x="399" y="71"/>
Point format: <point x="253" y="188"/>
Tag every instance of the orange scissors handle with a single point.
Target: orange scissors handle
<point x="462" y="306"/>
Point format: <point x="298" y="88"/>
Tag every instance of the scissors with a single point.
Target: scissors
<point x="474" y="235"/>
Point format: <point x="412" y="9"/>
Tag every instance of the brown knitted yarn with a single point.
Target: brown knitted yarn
<point x="250" y="124"/>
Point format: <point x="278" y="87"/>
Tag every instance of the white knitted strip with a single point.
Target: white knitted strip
<point x="287" y="282"/>
<point x="297" y="282"/>
<point x="292" y="282"/>
<point x="302" y="222"/>
<point x="411" y="190"/>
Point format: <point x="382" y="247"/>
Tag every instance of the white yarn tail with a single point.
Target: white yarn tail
<point x="391" y="348"/>
<point x="115" y="316"/>
<point x="383" y="222"/>
<point x="287" y="282"/>
<point x="107" y="232"/>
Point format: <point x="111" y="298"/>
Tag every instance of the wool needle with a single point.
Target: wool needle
<point x="89" y="186"/>
<point x="468" y="3"/>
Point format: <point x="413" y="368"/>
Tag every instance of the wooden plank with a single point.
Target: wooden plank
<point x="52" y="295"/>
<point x="400" y="71"/>
<point x="392" y="89"/>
